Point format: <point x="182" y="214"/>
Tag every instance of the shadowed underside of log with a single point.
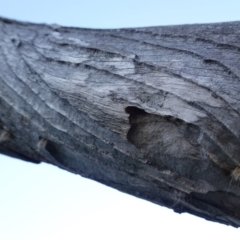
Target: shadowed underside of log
<point x="153" y="112"/>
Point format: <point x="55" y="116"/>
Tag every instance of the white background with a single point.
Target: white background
<point x="44" y="202"/>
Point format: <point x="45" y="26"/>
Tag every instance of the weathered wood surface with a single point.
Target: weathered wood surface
<point x="153" y="112"/>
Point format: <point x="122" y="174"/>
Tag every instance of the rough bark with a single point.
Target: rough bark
<point x="153" y="112"/>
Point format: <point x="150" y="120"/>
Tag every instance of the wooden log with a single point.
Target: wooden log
<point x="153" y="112"/>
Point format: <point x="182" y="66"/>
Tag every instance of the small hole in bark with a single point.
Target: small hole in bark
<point x="52" y="149"/>
<point x="61" y="61"/>
<point x="134" y="110"/>
<point x="16" y="42"/>
<point x="133" y="113"/>
<point x="210" y="61"/>
<point x="63" y="44"/>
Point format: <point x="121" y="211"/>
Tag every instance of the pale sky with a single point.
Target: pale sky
<point x="41" y="202"/>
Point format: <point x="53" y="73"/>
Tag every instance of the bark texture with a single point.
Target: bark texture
<point x="153" y="112"/>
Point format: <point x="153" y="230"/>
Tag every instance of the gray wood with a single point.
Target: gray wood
<point x="153" y="112"/>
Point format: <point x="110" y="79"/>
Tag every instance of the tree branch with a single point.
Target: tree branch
<point x="153" y="112"/>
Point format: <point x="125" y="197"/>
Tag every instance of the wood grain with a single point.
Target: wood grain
<point x="153" y="112"/>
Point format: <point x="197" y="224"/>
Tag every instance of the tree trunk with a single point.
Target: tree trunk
<point x="153" y="112"/>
